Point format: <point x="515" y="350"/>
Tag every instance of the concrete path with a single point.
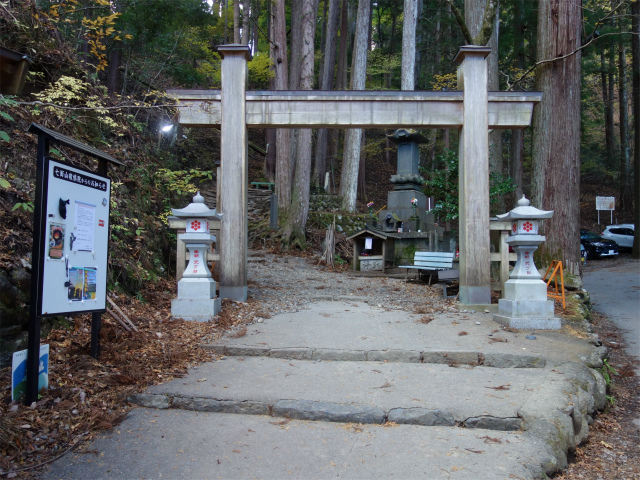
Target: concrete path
<point x="615" y="292"/>
<point x="351" y="390"/>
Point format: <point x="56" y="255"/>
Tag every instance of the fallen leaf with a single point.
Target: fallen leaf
<point x="463" y="333"/>
<point x="474" y="451"/>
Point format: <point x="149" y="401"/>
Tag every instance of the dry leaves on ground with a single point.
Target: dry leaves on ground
<point x="87" y="395"/>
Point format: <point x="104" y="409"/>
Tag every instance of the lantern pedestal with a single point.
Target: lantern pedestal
<point x="525" y="304"/>
<point x="197" y="290"/>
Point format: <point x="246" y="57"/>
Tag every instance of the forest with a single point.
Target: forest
<point x="99" y="71"/>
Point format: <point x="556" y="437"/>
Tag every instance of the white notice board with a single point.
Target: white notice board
<point x="605" y="203"/>
<point x="76" y="238"/>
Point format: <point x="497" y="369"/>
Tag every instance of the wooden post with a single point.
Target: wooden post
<point x="234" y="156"/>
<point x="475" y="248"/>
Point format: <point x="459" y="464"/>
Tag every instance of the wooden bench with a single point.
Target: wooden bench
<point x="440" y="263"/>
<point x="263" y="185"/>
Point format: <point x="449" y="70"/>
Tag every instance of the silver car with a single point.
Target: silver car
<point x="621" y="234"/>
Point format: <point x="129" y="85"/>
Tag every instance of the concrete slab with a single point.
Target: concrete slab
<point x="180" y="444"/>
<point x="461" y="392"/>
<point x="358" y="326"/>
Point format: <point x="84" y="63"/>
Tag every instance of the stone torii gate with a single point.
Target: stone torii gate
<point x="473" y="110"/>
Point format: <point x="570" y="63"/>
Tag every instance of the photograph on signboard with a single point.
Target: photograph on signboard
<point x="76" y="284"/>
<point x="56" y="240"/>
<point x="89" y="289"/>
<point x="19" y="372"/>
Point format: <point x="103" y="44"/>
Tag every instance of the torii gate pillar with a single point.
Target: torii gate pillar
<point x="234" y="172"/>
<point x="473" y="191"/>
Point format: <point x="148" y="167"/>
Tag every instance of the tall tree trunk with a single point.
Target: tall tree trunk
<point x="113" y="72"/>
<point x="246" y="10"/>
<point x="635" y="51"/>
<point x="351" y="157"/>
<point x="408" y="70"/>
<point x="278" y="51"/>
<point x="236" y="21"/>
<point x="295" y="53"/>
<point x="611" y="82"/>
<point x="345" y="38"/>
<point x="295" y="57"/>
<point x="556" y="144"/>
<point x="326" y="83"/>
<point x="516" y="148"/>
<point x="294" y="231"/>
<point x="362" y="172"/>
<point x="625" y="167"/>
<point x="607" y="101"/>
<point x="270" y="160"/>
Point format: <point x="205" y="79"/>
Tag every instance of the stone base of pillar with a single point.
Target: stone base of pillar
<point x="529" y="323"/>
<point x="196" y="300"/>
<point x="527" y="314"/>
<point x="239" y="294"/>
<point x="475" y="295"/>
<point x="525" y="306"/>
<point x="195" y="309"/>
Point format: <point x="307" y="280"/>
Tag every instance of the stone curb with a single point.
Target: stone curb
<point x="495" y="360"/>
<point x="560" y="417"/>
<point x="321" y="411"/>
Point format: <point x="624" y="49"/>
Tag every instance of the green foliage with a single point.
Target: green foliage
<point x="606" y="372"/>
<point x="448" y="81"/>
<point x="26" y="206"/>
<point x="381" y="65"/>
<point x="4" y="183"/>
<point x="260" y="72"/>
<point x="6" y="103"/>
<point x="338" y="260"/>
<point x="443" y="185"/>
<point x="180" y="182"/>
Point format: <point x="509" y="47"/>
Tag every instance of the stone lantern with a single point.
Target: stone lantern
<point x="525" y="304"/>
<point x="196" y="290"/>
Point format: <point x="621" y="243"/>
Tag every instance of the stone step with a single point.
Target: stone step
<point x="187" y="444"/>
<point x="452" y="358"/>
<point x="345" y="328"/>
<point x="362" y="392"/>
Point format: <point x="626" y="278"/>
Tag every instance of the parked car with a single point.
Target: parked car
<point x="621" y="234"/>
<point x="596" y="246"/>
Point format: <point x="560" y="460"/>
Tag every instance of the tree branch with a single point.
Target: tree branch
<point x="461" y="23"/>
<point x="562" y="57"/>
<point x="121" y="107"/>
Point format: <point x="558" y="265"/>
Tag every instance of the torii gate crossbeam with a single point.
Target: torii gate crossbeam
<point x="473" y="110"/>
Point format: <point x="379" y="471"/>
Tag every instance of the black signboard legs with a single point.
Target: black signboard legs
<point x="33" y="342"/>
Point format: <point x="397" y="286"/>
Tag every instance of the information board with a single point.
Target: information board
<point x="76" y="236"/>
<point x="605" y="203"/>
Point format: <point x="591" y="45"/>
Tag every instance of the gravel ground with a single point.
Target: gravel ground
<point x="287" y="283"/>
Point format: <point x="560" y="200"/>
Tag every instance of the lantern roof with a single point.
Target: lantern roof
<point x="196" y="209"/>
<point x="524" y="210"/>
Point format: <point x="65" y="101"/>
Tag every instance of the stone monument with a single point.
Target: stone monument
<point x="197" y="290"/>
<point x="525" y="304"/>
<point x="406" y="204"/>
